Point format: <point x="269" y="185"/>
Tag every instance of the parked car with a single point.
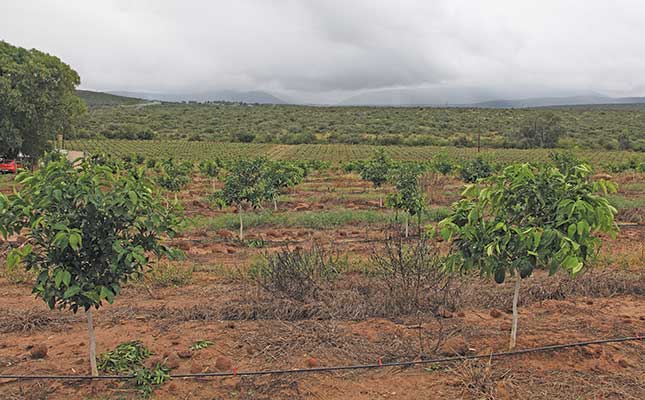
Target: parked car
<point x="9" y="166"/>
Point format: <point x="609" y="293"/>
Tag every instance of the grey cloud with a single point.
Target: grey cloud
<point x="328" y="50"/>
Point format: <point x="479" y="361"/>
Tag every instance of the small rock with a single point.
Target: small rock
<point x="312" y="362"/>
<point x="172" y="361"/>
<point x="623" y="363"/>
<point x="38" y="351"/>
<point x="589" y="302"/>
<point x="185" y="354"/>
<point x="495" y="313"/>
<point x="153" y="361"/>
<point x="195" y="368"/>
<point x="223" y="363"/>
<point x="454" y="346"/>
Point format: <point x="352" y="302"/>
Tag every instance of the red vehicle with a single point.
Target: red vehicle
<point x="9" y="166"/>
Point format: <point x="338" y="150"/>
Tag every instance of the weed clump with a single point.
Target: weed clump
<point x="297" y="274"/>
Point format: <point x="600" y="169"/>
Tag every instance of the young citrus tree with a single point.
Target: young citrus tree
<point x="279" y="175"/>
<point x="408" y="197"/>
<point x="529" y="217"/>
<point x="377" y="170"/>
<point x="244" y="184"/>
<point x="210" y="168"/>
<point x="89" y="228"/>
<point x="174" y="176"/>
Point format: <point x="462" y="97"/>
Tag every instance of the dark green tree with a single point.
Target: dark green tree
<point x="539" y="129"/>
<point x="37" y="100"/>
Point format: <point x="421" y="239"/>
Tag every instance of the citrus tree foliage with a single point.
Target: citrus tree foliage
<point x="210" y="168"/>
<point x="88" y="230"/>
<point x="174" y="176"/>
<point x="442" y="164"/>
<point x="377" y="169"/>
<point x="408" y="196"/>
<point x="566" y="162"/>
<point x="472" y="170"/>
<point x="37" y="100"/>
<point x="529" y="217"/>
<point x="244" y="185"/>
<point x="279" y="175"/>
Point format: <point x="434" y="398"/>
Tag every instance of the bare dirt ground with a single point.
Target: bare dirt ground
<point x="349" y="323"/>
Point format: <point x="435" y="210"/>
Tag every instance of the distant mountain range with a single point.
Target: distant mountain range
<point x="255" y="96"/>
<point x="558" y="101"/>
<point x="434" y="97"/>
<point x="478" y="98"/>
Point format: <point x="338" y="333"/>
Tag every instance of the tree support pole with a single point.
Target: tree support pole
<point x="90" y="330"/>
<point x="516" y="296"/>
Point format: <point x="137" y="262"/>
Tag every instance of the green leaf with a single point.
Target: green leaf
<point x="58" y="278"/>
<point x="13" y="258"/>
<point x="67" y="277"/>
<point x="72" y="291"/>
<point x="75" y="241"/>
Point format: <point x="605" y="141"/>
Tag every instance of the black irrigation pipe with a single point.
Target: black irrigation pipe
<point x="638" y="337"/>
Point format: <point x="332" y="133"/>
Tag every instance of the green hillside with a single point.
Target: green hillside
<point x="105" y="99"/>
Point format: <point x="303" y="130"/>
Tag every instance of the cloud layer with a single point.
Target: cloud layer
<point x="327" y="50"/>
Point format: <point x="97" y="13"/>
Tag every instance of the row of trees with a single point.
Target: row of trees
<point x="249" y="183"/>
<point x="92" y="227"/>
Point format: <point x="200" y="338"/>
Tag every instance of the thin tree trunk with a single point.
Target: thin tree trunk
<point x="90" y="330"/>
<point x="239" y="212"/>
<point x="380" y="202"/>
<point x="407" y="226"/>
<point x="516" y="296"/>
<point x="275" y="204"/>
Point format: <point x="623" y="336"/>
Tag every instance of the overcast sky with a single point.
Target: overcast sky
<point x="327" y="50"/>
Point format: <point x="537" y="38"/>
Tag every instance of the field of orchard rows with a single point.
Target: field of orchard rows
<point x="196" y="151"/>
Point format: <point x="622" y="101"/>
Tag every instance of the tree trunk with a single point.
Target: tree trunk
<point x="516" y="296"/>
<point x="275" y="204"/>
<point x="239" y="212"/>
<point x="407" y="225"/>
<point x="90" y="330"/>
<point x="380" y="202"/>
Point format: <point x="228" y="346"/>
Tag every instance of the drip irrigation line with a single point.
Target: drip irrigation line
<point x="380" y="364"/>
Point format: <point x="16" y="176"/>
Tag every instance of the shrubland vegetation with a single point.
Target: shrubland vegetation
<point x="613" y="128"/>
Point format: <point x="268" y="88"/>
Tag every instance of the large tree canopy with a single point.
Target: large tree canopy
<point x="37" y="100"/>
